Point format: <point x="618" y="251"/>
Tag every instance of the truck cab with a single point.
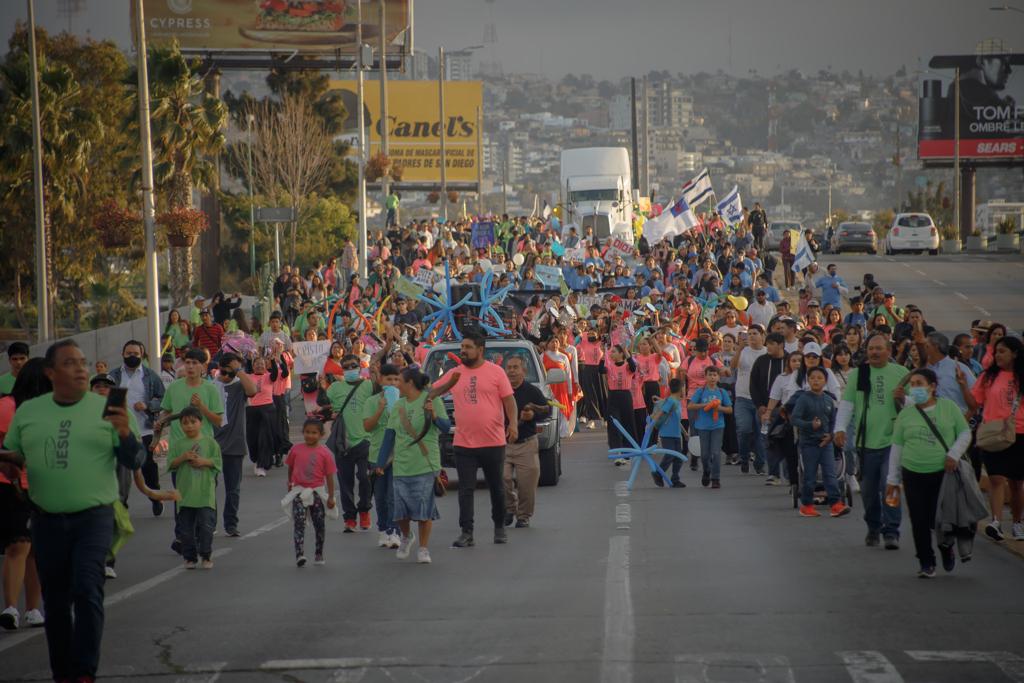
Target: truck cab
<point x="596" y="190"/>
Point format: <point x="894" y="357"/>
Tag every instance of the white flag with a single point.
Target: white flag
<point x="731" y="208"/>
<point x="804" y="255"/>
<point x="675" y="220"/>
<point x="698" y="189"/>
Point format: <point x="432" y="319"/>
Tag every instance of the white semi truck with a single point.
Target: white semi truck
<point x="596" y="191"/>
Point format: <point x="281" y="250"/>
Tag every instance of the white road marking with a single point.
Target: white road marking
<point x="869" y="666"/>
<point x="198" y="673"/>
<point x="1010" y="664"/>
<point x="266" y="527"/>
<point x="325" y="663"/>
<point x="622" y="489"/>
<point x="728" y="666"/>
<point x="921" y="272"/>
<point x="961" y="295"/>
<point x="619" y="629"/>
<point x="982" y="310"/>
<point x="940" y="283"/>
<point x="623" y="515"/>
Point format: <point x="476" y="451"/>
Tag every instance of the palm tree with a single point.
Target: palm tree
<point x="187" y="128"/>
<point x="68" y="130"/>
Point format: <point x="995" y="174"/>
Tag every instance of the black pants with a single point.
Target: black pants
<point x="620" y="407"/>
<point x="639" y="423"/>
<point x="283" y="428"/>
<point x="150" y="470"/>
<point x="922" y="494"/>
<point x="232" y="489"/>
<point x="652" y="394"/>
<point x="261" y="434"/>
<point x="353" y="466"/>
<point x="593" y="405"/>
<point x="70" y="550"/>
<point x="492" y="461"/>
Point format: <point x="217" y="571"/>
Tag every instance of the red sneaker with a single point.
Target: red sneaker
<point x="364" y="521"/>
<point x="809" y="511"/>
<point x="839" y="508"/>
<point x="350" y="526"/>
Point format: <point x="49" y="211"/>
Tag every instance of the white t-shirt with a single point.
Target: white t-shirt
<point x="746" y="364"/>
<point x="734" y="330"/>
<point x="761" y="314"/>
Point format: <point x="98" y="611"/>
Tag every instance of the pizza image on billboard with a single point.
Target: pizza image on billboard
<point x="304" y="15"/>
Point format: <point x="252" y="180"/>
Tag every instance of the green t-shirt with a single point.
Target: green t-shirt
<point x="881" y="407"/>
<point x="922" y="452"/>
<point x="409" y="460"/>
<point x="353" y="415"/>
<point x="178" y="337"/>
<point x="391" y="202"/>
<point x="376" y="435"/>
<point x="178" y="396"/>
<point x="6" y="383"/>
<point x="69" y="452"/>
<point x="197" y="485"/>
<point x="302" y="324"/>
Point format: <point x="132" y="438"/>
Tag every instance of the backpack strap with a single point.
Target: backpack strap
<point x="931" y="426"/>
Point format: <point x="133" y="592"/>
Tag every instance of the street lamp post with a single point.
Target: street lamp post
<point x="442" y="128"/>
<point x="42" y="282"/>
<point x="252" y="209"/>
<point x="361" y="122"/>
<point x="148" y="216"/>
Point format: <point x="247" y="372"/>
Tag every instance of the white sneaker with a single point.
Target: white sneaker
<point x="423" y="556"/>
<point x="206" y="564"/>
<point x="34" y="618"/>
<point x="256" y="469"/>
<point x="9" y="619"/>
<point x="109" y="572"/>
<point x="994" y="532"/>
<point x="383" y="540"/>
<point x="852" y="482"/>
<point x="394" y="540"/>
<point x="405" y="546"/>
<point x="260" y="472"/>
<point x="583" y="421"/>
<point x="189" y="564"/>
<point x="1018" y="531"/>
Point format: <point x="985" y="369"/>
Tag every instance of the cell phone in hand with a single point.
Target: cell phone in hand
<point x="117" y="398"/>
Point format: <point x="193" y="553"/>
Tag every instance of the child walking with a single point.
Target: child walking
<point x="376" y="413"/>
<point x="196" y="461"/>
<point x="814" y="415"/>
<point x="708" y="407"/>
<point x="668" y="416"/>
<point x="311" y="467"/>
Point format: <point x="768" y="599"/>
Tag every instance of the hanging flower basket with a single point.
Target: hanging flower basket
<point x="453" y="196"/>
<point x="434" y="197"/>
<point x="396" y="172"/>
<point x="116" y="225"/>
<point x="377" y="167"/>
<point x="183" y="225"/>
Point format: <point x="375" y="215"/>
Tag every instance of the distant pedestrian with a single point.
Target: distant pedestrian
<point x="238" y="387"/>
<point x="522" y="459"/>
<point x="708" y="406"/>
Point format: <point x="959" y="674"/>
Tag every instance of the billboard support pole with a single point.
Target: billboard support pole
<point x="443" y="131"/>
<point x="361" y="122"/>
<point x="634" y="134"/>
<point x="385" y="181"/>
<point x="252" y="211"/>
<point x="148" y="215"/>
<point x="42" y="284"/>
<point x="956" y="153"/>
<point x="480" y="161"/>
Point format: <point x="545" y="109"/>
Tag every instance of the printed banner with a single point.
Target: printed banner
<point x="310" y="356"/>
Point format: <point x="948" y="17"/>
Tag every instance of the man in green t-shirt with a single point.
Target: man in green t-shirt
<point x="70" y="450"/>
<point x="870" y="402"/>
<point x="17" y="356"/>
<point x="350" y="443"/>
<point x="391" y="204"/>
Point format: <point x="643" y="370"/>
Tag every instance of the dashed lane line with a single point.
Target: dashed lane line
<point x="940" y="283"/>
<point x="619" y="626"/>
<point x="961" y="295"/>
<point x="868" y="666"/>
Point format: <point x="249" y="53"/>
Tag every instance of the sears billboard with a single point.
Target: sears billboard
<point x="991" y="110"/>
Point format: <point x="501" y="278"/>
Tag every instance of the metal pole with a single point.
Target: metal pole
<point x="443" y="127"/>
<point x="385" y="182"/>
<point x="645" y="188"/>
<point x="252" y="214"/>
<point x="634" y="134"/>
<point x="504" y="181"/>
<point x="42" y="282"/>
<point x="361" y="190"/>
<point x="277" y="247"/>
<point x="480" y="161"/>
<point x="148" y="215"/>
<point x="956" y="153"/>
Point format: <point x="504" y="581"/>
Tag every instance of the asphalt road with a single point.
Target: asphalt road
<point x="607" y="585"/>
<point x="951" y="290"/>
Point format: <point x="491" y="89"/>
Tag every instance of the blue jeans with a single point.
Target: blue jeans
<point x="232" y="489"/>
<point x="711" y="451"/>
<point x="673" y="443"/>
<point x="748" y="432"/>
<point x="383" y="494"/>
<point x="70" y="552"/>
<point x="813" y="457"/>
<point x="196" y="528"/>
<point x="880" y="517"/>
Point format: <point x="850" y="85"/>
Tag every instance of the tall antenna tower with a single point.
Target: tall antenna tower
<point x="70" y="9"/>
<point x="491" y="66"/>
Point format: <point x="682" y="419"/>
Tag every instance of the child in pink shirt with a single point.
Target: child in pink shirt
<point x="310" y="467"/>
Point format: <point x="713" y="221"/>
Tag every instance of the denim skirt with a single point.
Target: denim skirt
<point x="414" y="498"/>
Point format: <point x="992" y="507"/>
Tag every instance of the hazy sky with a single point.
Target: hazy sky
<point x="615" y="38"/>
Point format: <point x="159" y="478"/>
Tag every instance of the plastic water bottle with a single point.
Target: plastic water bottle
<point x="893" y="499"/>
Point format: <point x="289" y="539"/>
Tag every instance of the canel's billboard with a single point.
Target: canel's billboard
<point x="414" y="127"/>
<point x="991" y="110"/>
<point x="306" y="26"/>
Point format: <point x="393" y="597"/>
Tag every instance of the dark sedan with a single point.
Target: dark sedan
<point x="854" y="237"/>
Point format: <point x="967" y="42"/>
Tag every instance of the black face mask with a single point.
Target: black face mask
<point x="132" y="362"/>
<point x="592" y="339"/>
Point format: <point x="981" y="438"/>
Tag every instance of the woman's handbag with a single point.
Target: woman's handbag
<point x="998" y="435"/>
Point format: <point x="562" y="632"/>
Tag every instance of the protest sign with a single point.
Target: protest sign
<point x="310" y="356"/>
<point x="620" y="247"/>
<point x="407" y="288"/>
<point x="549" y="276"/>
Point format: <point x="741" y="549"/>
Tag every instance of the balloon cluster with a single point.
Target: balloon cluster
<point x="642" y="452"/>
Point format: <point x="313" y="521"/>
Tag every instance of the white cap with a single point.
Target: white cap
<point x="812" y="349"/>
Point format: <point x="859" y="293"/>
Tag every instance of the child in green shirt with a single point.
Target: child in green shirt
<point x="196" y="460"/>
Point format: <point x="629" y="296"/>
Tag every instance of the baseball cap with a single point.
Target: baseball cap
<point x="101" y="378"/>
<point x="813" y="302"/>
<point x="812" y="349"/>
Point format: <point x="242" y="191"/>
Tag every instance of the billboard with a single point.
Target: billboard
<point x="310" y="26"/>
<point x="414" y="130"/>
<point x="991" y="110"/>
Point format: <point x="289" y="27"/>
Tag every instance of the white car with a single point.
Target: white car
<point x="912" y="232"/>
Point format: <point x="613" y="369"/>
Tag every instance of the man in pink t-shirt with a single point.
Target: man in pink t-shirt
<point x="486" y="419"/>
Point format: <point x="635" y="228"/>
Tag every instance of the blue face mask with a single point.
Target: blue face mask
<point x="390" y="395"/>
<point x="352" y="375"/>
<point x="918" y="395"/>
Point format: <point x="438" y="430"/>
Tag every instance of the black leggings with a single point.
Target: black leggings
<point x="922" y="494"/>
<point x="620" y="407"/>
<point x="593" y="404"/>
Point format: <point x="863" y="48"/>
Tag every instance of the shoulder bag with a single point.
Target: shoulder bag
<point x="931" y="426"/>
<point x="998" y="435"/>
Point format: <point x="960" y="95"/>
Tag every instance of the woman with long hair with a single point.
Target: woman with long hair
<point x="854" y="337"/>
<point x="618" y="368"/>
<point x="998" y="391"/>
<point x="996" y="332"/>
<point x="780" y="433"/>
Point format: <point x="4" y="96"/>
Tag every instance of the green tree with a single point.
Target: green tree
<point x="187" y="128"/>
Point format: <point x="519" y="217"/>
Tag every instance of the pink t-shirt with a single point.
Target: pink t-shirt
<point x="479" y="412"/>
<point x="998" y="398"/>
<point x="647" y="367"/>
<point x="264" y="390"/>
<point x="6" y="415"/>
<point x="310" y="465"/>
<point x="590" y="352"/>
<point x="620" y="377"/>
<point x="695" y="373"/>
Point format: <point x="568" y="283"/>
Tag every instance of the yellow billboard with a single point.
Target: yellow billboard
<point x="414" y="128"/>
<point x="308" y="26"/>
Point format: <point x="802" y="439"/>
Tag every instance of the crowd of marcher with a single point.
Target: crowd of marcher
<point x="719" y="348"/>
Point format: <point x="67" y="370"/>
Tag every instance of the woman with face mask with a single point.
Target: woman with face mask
<point x="928" y="439"/>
